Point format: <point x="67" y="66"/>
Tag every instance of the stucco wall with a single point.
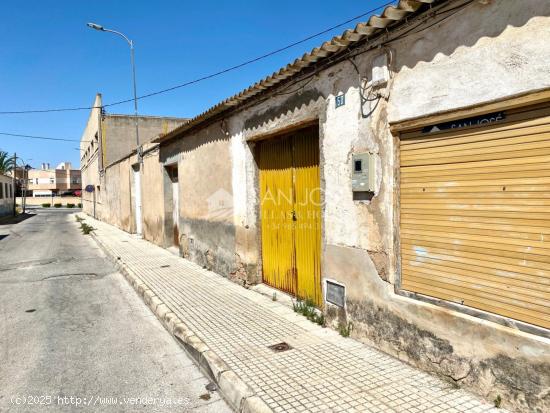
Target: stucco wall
<point x="89" y="160"/>
<point x="153" y="196"/>
<point x="489" y="50"/>
<point x="119" y="133"/>
<point x="6" y="203"/>
<point x="207" y="231"/>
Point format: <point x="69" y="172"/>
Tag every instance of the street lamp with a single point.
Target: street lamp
<point x="131" y="43"/>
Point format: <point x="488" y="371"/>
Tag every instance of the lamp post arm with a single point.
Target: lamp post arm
<point x="121" y="35"/>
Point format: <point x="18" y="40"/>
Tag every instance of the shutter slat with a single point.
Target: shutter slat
<point x="475" y="215"/>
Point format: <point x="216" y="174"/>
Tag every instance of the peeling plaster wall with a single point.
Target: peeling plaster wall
<point x="491" y="49"/>
<point x="206" y="226"/>
<point x="440" y="69"/>
<point x="437" y="70"/>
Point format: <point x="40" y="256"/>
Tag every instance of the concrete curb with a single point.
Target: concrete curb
<point x="232" y="388"/>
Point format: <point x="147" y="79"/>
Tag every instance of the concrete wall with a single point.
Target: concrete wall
<point x="486" y="51"/>
<point x="119" y="133"/>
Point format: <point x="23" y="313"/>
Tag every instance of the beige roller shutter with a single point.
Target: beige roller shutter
<point x="475" y="215"/>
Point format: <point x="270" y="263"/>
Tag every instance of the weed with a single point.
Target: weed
<point x="78" y="218"/>
<point x="274" y="297"/>
<point x="498" y="401"/>
<point x="345" y="330"/>
<point x="46" y="205"/>
<point x="308" y="310"/>
<point x="86" y="229"/>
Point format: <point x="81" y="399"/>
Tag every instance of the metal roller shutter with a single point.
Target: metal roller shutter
<point x="475" y="215"/>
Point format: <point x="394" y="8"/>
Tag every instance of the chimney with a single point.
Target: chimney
<point x="47" y="166"/>
<point x="43" y="166"/>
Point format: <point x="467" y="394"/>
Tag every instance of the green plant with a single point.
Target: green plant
<point x="498" y="401"/>
<point x="86" y="229"/>
<point x="6" y="162"/>
<point x="308" y="310"/>
<point x="57" y="205"/>
<point x="46" y="205"/>
<point x="274" y="297"/>
<point x="345" y="330"/>
<point x="79" y="205"/>
<point x="78" y="219"/>
<point x="69" y="205"/>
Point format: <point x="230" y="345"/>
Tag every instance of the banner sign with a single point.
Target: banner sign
<point x="464" y="123"/>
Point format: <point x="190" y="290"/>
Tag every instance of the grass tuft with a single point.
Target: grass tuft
<point x="308" y="310"/>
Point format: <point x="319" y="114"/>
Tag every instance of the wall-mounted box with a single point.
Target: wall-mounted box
<point x="335" y="293"/>
<point x="380" y="73"/>
<point x="363" y="175"/>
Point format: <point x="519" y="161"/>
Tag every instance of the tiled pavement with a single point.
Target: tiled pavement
<point x="323" y="372"/>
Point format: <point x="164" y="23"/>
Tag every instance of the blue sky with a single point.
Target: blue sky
<point x="50" y="59"/>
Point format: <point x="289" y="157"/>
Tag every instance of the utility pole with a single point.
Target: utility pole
<point x="14" y="171"/>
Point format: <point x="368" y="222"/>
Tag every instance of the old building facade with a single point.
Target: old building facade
<point x="397" y="177"/>
<point x="108" y="172"/>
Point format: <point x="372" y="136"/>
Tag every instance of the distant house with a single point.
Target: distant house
<point x="46" y="181"/>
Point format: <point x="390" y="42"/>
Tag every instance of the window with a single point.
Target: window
<point x="36" y="181"/>
<point x="51" y="180"/>
<point x="11" y="191"/>
<point x="358" y="166"/>
<point x="6" y="190"/>
<point x="1" y="191"/>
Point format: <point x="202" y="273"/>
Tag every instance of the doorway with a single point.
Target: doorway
<point x="290" y="213"/>
<point x="172" y="171"/>
<point x="137" y="197"/>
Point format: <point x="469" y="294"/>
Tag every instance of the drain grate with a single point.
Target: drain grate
<point x="280" y="347"/>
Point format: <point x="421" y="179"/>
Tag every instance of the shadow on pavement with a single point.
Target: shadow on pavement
<point x="16" y="219"/>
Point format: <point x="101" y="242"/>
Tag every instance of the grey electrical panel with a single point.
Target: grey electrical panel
<point x="363" y="177"/>
<point x="336" y="294"/>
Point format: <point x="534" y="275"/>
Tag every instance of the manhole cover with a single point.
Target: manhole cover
<point x="277" y="348"/>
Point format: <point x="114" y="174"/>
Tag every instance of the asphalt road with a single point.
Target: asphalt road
<point x="74" y="336"/>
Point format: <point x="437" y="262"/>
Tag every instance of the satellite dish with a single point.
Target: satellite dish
<point x="89" y="188"/>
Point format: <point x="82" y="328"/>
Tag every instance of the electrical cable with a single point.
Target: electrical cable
<point x="203" y="78"/>
<point x="40" y="137"/>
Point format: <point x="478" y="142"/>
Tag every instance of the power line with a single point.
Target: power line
<point x="40" y="137"/>
<point x="203" y="78"/>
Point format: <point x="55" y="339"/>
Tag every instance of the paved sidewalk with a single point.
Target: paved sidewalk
<point x="323" y="372"/>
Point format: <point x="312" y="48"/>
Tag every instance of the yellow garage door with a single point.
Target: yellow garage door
<point x="291" y="213"/>
<point x="475" y="215"/>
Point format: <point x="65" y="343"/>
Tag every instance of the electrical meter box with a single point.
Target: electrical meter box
<point x="363" y="168"/>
